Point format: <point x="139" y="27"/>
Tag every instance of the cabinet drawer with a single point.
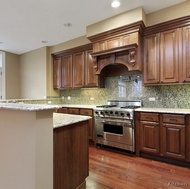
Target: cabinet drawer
<point x="62" y="110"/>
<point x="176" y="119"/>
<point x="73" y="111"/>
<point x="88" y="112"/>
<point x="149" y="117"/>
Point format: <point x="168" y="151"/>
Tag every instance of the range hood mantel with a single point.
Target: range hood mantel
<point x="119" y="46"/>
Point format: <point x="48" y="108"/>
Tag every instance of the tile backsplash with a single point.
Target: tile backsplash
<point x="131" y="88"/>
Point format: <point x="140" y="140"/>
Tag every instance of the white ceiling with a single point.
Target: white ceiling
<point x="24" y="24"/>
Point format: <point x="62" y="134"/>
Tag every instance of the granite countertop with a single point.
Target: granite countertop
<point x="77" y="106"/>
<point x="163" y="110"/>
<point x="60" y="119"/>
<point x="27" y="107"/>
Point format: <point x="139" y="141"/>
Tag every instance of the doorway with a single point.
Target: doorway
<point x="2" y="75"/>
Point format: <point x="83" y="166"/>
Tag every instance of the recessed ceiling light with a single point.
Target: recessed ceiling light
<point x="115" y="4"/>
<point x="67" y="24"/>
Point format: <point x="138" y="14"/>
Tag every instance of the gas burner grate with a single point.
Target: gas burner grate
<point x="130" y="107"/>
<point x="106" y="106"/>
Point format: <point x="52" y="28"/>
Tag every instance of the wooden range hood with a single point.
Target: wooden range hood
<point x="121" y="46"/>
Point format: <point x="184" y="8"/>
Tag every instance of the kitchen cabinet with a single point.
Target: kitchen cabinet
<point x="57" y="73"/>
<point x="78" y="69"/>
<point x="161" y="58"/>
<point x="66" y="72"/>
<point x="163" y="135"/>
<point x="70" y="156"/>
<point x="149" y="129"/>
<point x="169" y="56"/>
<point x="89" y="112"/>
<point x="81" y="111"/>
<point x="75" y="69"/>
<point x="151" y="59"/>
<point x="173" y="136"/>
<point x="186" y="55"/>
<point x="91" y="79"/>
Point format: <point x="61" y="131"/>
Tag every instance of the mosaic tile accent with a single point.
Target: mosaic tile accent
<point x="131" y="88"/>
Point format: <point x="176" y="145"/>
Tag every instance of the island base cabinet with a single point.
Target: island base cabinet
<point x="71" y="155"/>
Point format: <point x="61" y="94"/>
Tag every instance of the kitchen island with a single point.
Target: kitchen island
<point x="26" y="146"/>
<point x="71" y="159"/>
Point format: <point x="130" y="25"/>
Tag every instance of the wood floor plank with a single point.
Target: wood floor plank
<point x="111" y="170"/>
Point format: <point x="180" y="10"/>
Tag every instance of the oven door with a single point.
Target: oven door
<point x="118" y="131"/>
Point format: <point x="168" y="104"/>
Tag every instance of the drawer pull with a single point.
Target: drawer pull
<point x="150" y="118"/>
<point x="174" y="120"/>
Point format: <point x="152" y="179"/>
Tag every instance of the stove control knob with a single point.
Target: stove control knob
<point x="111" y="112"/>
<point x="116" y="113"/>
<point x="128" y="115"/>
<point x="96" y="112"/>
<point x="106" y="112"/>
<point x="122" y="114"/>
<point x="102" y="113"/>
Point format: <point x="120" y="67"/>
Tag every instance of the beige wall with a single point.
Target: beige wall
<point x="173" y="12"/>
<point x="124" y="19"/>
<point x="33" y="74"/>
<point x="12" y="70"/>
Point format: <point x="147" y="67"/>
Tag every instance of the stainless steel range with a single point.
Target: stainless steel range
<point x="114" y="124"/>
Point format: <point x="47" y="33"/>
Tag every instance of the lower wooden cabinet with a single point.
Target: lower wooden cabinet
<point x="70" y="154"/>
<point x="163" y="135"/>
<point x="81" y="111"/>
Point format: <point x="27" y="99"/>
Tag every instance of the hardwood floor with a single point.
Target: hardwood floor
<point x="111" y="170"/>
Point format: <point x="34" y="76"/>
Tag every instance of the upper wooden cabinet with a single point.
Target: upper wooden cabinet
<point x="66" y="71"/>
<point x="167" y="53"/>
<point x="74" y="68"/>
<point x="151" y="59"/>
<point x="57" y="72"/>
<point x="186" y="54"/>
<point x="161" y="57"/>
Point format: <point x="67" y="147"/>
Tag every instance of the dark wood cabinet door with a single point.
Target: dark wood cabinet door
<point x="169" y="56"/>
<point x="149" y="137"/>
<point x="151" y="59"/>
<point x="89" y="112"/>
<point x="78" y="69"/>
<point x="186" y="54"/>
<point x="91" y="79"/>
<point x="173" y="144"/>
<point x="67" y="73"/>
<point x="57" y="73"/>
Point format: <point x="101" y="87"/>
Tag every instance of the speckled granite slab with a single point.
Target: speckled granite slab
<point x="164" y="110"/>
<point x="27" y="107"/>
<point x="60" y="119"/>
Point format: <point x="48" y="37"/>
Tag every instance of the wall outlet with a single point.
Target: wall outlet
<point x="152" y="99"/>
<point x="91" y="98"/>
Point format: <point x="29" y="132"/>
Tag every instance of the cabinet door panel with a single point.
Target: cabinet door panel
<point x="174" y="141"/>
<point x="169" y="54"/>
<point x="91" y="79"/>
<point x="151" y="59"/>
<point x="78" y="70"/>
<point x="186" y="54"/>
<point x="150" y="137"/>
<point x="57" y="73"/>
<point x="67" y="71"/>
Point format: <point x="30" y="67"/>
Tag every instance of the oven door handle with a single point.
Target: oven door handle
<point x="116" y="123"/>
